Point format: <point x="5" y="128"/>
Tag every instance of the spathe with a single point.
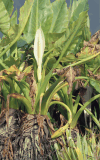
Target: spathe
<point x="39" y="46"/>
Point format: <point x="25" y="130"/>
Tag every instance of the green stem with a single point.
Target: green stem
<point x="93" y="117"/>
<point x="25" y="101"/>
<point x="55" y="90"/>
<point x="76" y="117"/>
<point x="5" y="78"/>
<point x="82" y="61"/>
<point x="82" y="77"/>
<point x="93" y="73"/>
<point x="46" y="54"/>
<point x="3" y="65"/>
<point x="61" y="130"/>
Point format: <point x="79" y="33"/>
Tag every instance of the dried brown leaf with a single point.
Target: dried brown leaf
<point x="63" y="120"/>
<point x="96" y="76"/>
<point x="20" y="76"/>
<point x="77" y="70"/>
<point x="69" y="75"/>
<point x="33" y="87"/>
<point x="95" y="38"/>
<point x="93" y="44"/>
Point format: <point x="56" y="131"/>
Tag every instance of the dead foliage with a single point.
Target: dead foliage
<point x="93" y="45"/>
<point x="95" y="76"/>
<point x="33" y="87"/>
<point x="95" y="39"/>
<point x="14" y="71"/>
<point x="68" y="74"/>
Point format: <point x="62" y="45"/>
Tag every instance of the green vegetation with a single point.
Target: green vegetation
<point x="40" y="65"/>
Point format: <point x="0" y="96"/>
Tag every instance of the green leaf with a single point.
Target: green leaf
<point x="71" y="103"/>
<point x="13" y="19"/>
<point x="74" y="11"/>
<point x="79" y="143"/>
<point x="61" y="130"/>
<point x="12" y="61"/>
<point x="58" y="44"/>
<point x="21" y="42"/>
<point x="2" y="65"/>
<point x="76" y="105"/>
<point x="25" y="89"/>
<point x="95" y="84"/>
<point x="51" y="62"/>
<point x="93" y="117"/>
<point x="4" y="16"/>
<point x="79" y="153"/>
<point x="18" y="29"/>
<point x="77" y="8"/>
<point x="52" y="93"/>
<point x="59" y="17"/>
<point x="41" y="13"/>
<point x="25" y="101"/>
<point x="47" y="94"/>
<point x="69" y="58"/>
<point x="84" y="147"/>
<point x="75" y="119"/>
<point x="51" y="38"/>
<point x="9" y="5"/>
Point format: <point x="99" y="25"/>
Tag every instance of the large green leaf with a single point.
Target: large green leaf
<point x="18" y="30"/>
<point x="13" y="31"/>
<point x="59" y="21"/>
<point x="73" y="14"/>
<point x="95" y="84"/>
<point x="12" y="61"/>
<point x="77" y="8"/>
<point x="9" y="5"/>
<point x="4" y="18"/>
<point x="13" y="49"/>
<point x="59" y="45"/>
<point x="41" y="14"/>
<point x="13" y="19"/>
<point x="51" y="38"/>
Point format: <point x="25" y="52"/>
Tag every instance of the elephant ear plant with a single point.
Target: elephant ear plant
<point x="41" y="94"/>
<point x="38" y="91"/>
<point x="38" y="96"/>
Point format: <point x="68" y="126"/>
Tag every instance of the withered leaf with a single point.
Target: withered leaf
<point x="33" y="87"/>
<point x="96" y="76"/>
<point x="70" y="77"/>
<point x="20" y="76"/>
